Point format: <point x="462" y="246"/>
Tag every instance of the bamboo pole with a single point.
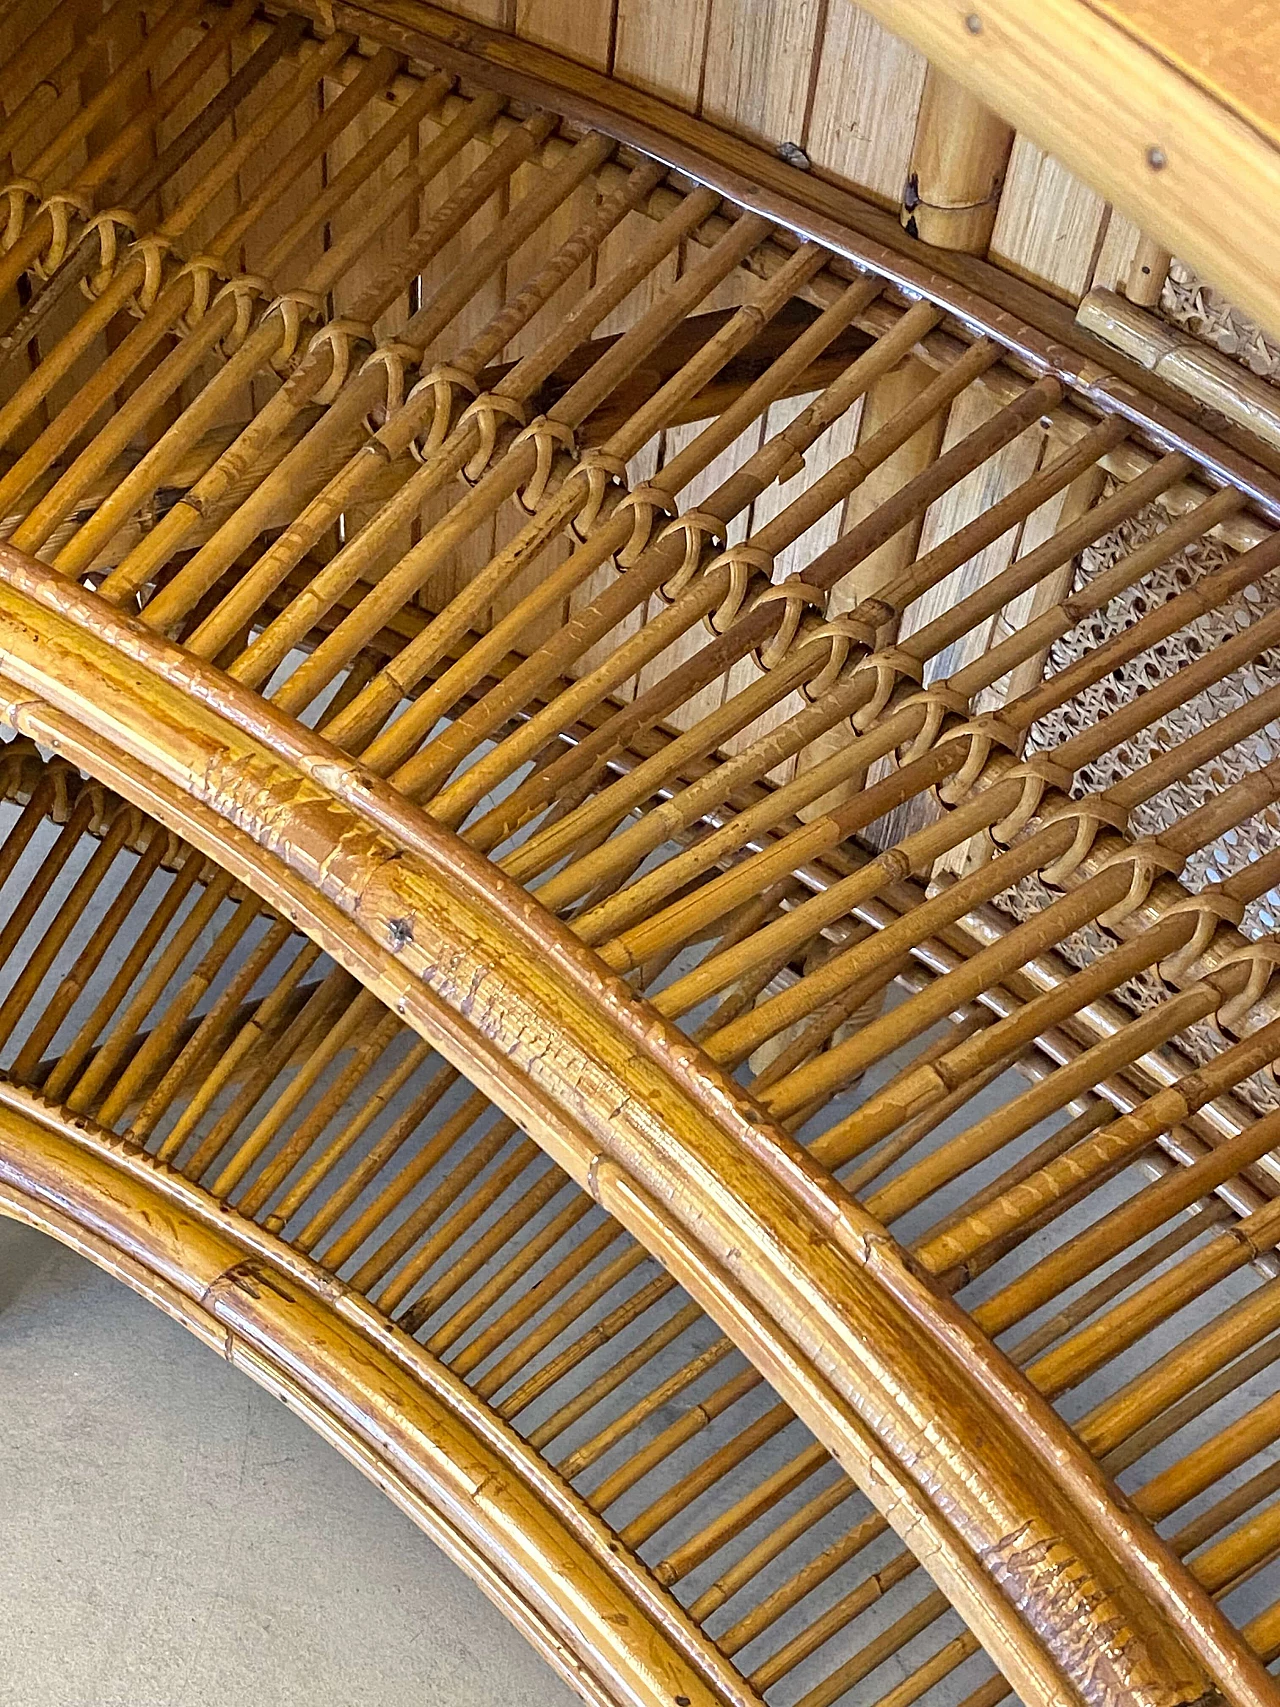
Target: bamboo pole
<point x="958" y="161"/>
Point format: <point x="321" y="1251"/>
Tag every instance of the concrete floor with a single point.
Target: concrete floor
<point x="171" y="1536"/>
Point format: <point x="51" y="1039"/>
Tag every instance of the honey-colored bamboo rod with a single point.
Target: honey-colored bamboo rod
<point x="328" y="1213"/>
<point x="258" y="1034"/>
<point x="958" y="160"/>
<point x="610" y="1379"/>
<point x="612" y="534"/>
<point x="715" y="593"/>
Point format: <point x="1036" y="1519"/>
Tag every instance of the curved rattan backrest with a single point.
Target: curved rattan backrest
<point x="771" y="609"/>
<point x="848" y="1334"/>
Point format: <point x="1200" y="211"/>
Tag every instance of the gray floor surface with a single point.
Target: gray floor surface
<point x="171" y="1536"/>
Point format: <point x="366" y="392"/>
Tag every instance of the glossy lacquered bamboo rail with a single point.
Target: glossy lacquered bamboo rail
<point x="420" y="953"/>
<point x="55" y="790"/>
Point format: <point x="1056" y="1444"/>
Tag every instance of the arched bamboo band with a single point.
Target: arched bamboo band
<point x="58" y="791"/>
<point x="886" y="1373"/>
<point x="397" y="1413"/>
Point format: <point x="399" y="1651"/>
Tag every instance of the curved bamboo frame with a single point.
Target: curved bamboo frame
<point x="848" y="1333"/>
<point x="395" y="1413"/>
<point x="1071" y="1593"/>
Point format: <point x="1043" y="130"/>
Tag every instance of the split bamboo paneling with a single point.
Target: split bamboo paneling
<point x="638" y="852"/>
